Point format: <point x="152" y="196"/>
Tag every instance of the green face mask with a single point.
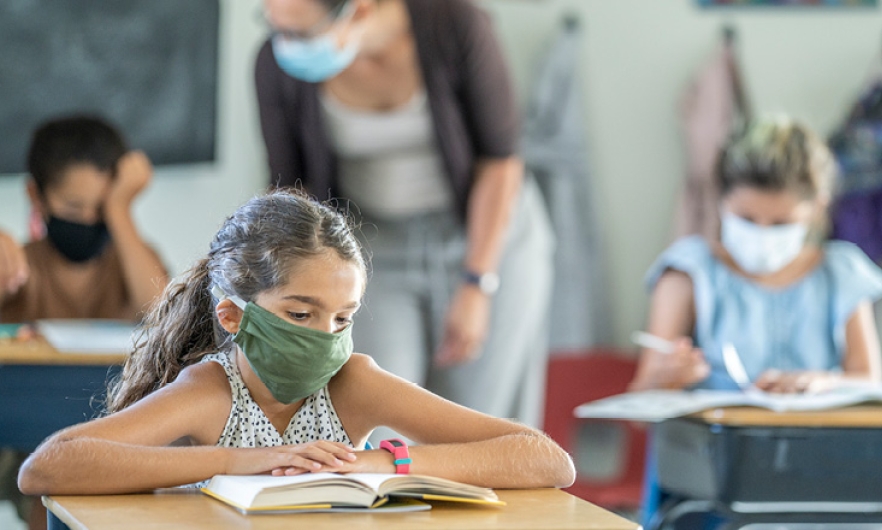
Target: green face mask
<point x="292" y="361"/>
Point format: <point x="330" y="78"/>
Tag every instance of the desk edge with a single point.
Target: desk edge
<point x="63" y="515"/>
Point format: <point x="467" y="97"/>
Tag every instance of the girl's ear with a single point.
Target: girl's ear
<point x="36" y="197"/>
<point x="362" y="8"/>
<point x="229" y="315"/>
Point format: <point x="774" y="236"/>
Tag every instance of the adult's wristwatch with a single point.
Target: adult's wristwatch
<point x="487" y="282"/>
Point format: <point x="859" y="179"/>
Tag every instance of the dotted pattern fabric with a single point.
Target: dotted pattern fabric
<point x="248" y="426"/>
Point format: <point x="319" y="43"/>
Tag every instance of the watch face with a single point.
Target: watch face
<point x="489" y="283"/>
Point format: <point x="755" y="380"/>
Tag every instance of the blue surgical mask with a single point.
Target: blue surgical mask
<point x="761" y="249"/>
<point x="313" y="60"/>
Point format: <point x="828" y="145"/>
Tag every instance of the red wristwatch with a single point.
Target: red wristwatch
<point x="399" y="451"/>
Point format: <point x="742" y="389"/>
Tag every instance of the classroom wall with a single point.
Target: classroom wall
<point x="184" y="206"/>
<point x="637" y="58"/>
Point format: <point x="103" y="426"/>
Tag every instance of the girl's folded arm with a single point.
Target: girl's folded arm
<point x="127" y="451"/>
<point x="456" y="442"/>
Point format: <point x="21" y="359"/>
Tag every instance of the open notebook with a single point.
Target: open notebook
<point x="87" y="335"/>
<point x="659" y="405"/>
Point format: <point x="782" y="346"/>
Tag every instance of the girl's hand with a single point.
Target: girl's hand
<point x="310" y="457"/>
<point x="796" y="382"/>
<point x="14" y="269"/>
<point x="466" y="324"/>
<point x="684" y="367"/>
<point x="369" y="461"/>
<point x="133" y="174"/>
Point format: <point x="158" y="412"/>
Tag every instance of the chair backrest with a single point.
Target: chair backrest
<point x="578" y="377"/>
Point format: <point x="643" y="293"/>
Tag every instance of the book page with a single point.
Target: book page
<point x="327" y="490"/>
<point x="659" y="405"/>
<point x="266" y="491"/>
<point x="427" y="487"/>
<point x="392" y="506"/>
<point x="424" y="487"/>
<point x="832" y="399"/>
<point x="87" y="335"/>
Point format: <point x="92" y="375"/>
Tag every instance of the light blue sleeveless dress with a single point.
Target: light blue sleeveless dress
<point x="797" y="327"/>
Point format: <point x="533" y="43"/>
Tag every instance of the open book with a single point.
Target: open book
<point x="659" y="405"/>
<point x="335" y="492"/>
<point x="87" y="335"/>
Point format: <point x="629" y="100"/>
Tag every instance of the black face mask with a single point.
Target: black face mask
<point x="77" y="242"/>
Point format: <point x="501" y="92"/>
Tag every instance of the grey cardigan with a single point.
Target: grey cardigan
<point x="469" y="91"/>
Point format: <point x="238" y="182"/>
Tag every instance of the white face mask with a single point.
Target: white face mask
<point x="761" y="249"/>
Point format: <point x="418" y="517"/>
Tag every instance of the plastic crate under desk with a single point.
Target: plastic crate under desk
<point x="707" y="461"/>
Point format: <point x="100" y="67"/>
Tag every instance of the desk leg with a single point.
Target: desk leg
<point x="651" y="493"/>
<point x="705" y="515"/>
<point x="54" y="522"/>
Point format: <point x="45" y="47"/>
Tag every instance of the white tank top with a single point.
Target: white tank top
<point x="389" y="163"/>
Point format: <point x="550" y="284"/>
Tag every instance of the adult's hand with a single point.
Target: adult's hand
<point x="466" y="325"/>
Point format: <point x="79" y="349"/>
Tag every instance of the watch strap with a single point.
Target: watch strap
<point x="487" y="282"/>
<point x="400" y="453"/>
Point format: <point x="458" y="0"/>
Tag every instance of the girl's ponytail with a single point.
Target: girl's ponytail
<point x="254" y="251"/>
<point x="177" y="331"/>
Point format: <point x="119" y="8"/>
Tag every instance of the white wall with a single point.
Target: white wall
<point x="638" y="55"/>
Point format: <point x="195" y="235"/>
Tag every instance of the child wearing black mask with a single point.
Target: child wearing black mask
<point x="92" y="262"/>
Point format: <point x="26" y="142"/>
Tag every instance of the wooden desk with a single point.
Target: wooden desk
<point x="527" y="509"/>
<point x="39" y="352"/>
<point x="42" y="390"/>
<point x="859" y="416"/>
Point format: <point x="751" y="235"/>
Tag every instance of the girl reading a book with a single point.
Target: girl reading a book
<point x="245" y="366"/>
<point x="798" y="311"/>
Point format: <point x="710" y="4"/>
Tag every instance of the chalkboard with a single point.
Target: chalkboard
<point x="148" y="66"/>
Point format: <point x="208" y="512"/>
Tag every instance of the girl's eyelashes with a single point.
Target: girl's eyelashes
<point x="342" y="321"/>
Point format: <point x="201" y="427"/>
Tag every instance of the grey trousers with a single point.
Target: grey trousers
<point x="417" y="266"/>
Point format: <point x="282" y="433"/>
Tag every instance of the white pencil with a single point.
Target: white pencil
<point x="648" y="340"/>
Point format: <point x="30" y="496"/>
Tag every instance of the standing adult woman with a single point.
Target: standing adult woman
<point x="405" y="108"/>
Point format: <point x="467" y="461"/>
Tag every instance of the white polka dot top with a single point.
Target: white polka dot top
<point x="248" y="426"/>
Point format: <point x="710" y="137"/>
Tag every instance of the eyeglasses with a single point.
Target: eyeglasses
<point x="333" y="16"/>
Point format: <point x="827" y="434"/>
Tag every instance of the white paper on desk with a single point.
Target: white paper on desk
<point x="87" y="335"/>
<point x="658" y="405"/>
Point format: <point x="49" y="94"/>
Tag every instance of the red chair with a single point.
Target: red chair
<point x="578" y="377"/>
